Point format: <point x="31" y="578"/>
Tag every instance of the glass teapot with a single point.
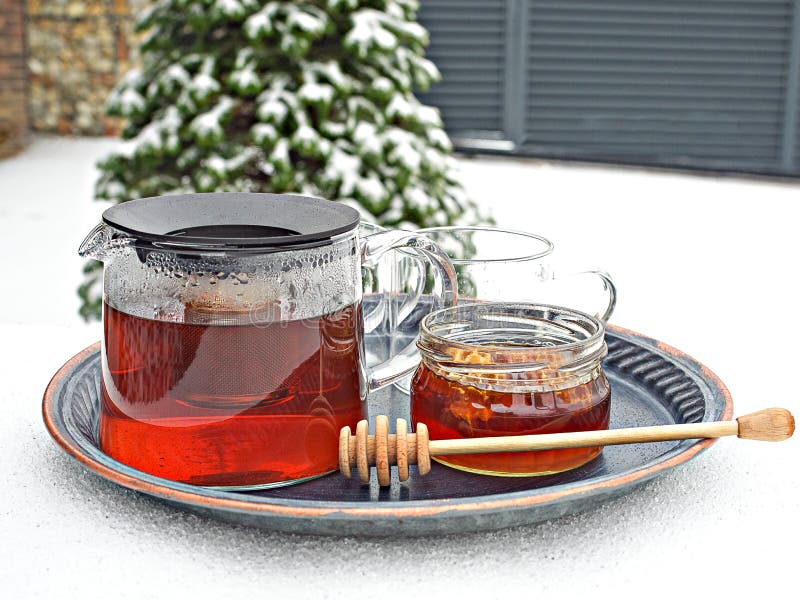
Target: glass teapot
<point x="233" y="347"/>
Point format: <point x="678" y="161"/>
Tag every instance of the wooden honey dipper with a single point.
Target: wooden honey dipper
<point x="382" y="450"/>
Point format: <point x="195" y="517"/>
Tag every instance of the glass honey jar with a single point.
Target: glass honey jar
<point x="495" y="369"/>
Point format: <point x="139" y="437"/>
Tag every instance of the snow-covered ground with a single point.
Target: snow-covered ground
<point x="707" y="264"/>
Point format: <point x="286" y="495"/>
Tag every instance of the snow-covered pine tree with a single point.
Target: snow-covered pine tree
<point x="315" y="97"/>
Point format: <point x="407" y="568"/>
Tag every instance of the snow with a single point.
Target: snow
<point x="449" y="204"/>
<point x="157" y="135"/>
<point x="222" y="167"/>
<point x="216" y="164"/>
<point x="377" y="28"/>
<point x="243" y="56"/>
<point x="229" y="8"/>
<point x="131" y="101"/>
<point x="341" y="4"/>
<point x="313" y="92"/>
<point x="188" y="157"/>
<point x="305" y="18"/>
<point x="149" y="137"/>
<point x="418" y="197"/>
<point x="271" y="108"/>
<point x="333" y="129"/>
<point x="430" y="70"/>
<point x="412" y="30"/>
<point x="132" y="78"/>
<point x="717" y="526"/>
<point x="115" y="190"/>
<point x="412" y="5"/>
<point x="146" y="13"/>
<point x="171" y="120"/>
<point x="403" y="150"/>
<point x="301" y="19"/>
<point x="274" y="102"/>
<point x="306" y="134"/>
<point x="331" y="72"/>
<point x="371" y="189"/>
<point x="390" y="64"/>
<point x="366" y="216"/>
<point x="435" y="160"/>
<point x="382" y="85"/>
<point x="210" y="123"/>
<point x="203" y="85"/>
<point x="245" y="78"/>
<point x="394" y="9"/>
<point x="260" y="23"/>
<point x="408" y="108"/>
<point x="205" y="182"/>
<point x="241" y="157"/>
<point x="266" y="167"/>
<point x="343" y="167"/>
<point x="399" y="107"/>
<point x="439" y="138"/>
<point x="264" y="133"/>
<point x="396" y="209"/>
<point x="368" y="32"/>
<point x="308" y="141"/>
<point x="177" y="74"/>
<point x="280" y="154"/>
<point x="428" y="116"/>
<point x="257" y="24"/>
<point x="366" y="136"/>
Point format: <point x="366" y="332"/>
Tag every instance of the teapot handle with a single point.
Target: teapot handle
<point x="373" y="247"/>
<point x="400" y="283"/>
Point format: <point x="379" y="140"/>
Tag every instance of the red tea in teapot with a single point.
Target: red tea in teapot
<point x="230" y="405"/>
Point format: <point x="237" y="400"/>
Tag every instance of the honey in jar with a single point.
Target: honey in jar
<point x="499" y="369"/>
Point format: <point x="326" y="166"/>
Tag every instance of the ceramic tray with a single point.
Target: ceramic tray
<point x="651" y="384"/>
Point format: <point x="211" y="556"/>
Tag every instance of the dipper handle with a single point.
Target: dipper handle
<point x="382" y="450"/>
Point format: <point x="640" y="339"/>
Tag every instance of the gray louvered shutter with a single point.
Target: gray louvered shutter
<point x="698" y="82"/>
<point x="792" y="163"/>
<point x="701" y="83"/>
<point x="468" y="45"/>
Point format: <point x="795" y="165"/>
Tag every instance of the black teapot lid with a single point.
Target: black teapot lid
<point x="232" y="220"/>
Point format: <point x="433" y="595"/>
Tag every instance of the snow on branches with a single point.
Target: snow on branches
<point x="309" y="96"/>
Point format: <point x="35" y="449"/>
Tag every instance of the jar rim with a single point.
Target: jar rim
<point x="462" y="337"/>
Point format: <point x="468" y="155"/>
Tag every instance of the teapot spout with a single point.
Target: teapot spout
<point x="100" y="242"/>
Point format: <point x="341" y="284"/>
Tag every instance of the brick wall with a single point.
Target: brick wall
<point x="13" y="78"/>
<point x="78" y="51"/>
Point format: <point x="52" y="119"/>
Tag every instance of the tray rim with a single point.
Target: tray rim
<point x="217" y="500"/>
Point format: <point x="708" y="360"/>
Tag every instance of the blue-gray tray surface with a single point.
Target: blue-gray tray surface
<point x="651" y="384"/>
